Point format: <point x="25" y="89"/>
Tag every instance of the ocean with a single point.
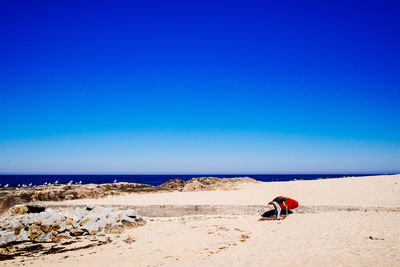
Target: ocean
<point x="153" y="179"/>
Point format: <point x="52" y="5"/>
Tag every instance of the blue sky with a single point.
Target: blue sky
<point x="199" y="86"/>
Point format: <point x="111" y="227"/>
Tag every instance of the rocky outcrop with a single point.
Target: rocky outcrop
<point x="13" y="196"/>
<point x="55" y="224"/>
<point x="213" y="183"/>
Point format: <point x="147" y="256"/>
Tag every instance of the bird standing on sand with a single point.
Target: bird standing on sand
<point x="6" y="186"/>
<point x="115" y="181"/>
<point x="70" y="182"/>
<point x="56" y="182"/>
<point x="80" y="182"/>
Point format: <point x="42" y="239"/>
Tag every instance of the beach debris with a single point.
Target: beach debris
<point x="375" y="238"/>
<point x="27" y="223"/>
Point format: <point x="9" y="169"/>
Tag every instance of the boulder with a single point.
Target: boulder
<point x="140" y="222"/>
<point x="76" y="232"/>
<point x="91" y="227"/>
<point x="61" y="227"/>
<point x="18" y="210"/>
<point x="129" y="224"/>
<point x="23" y="235"/>
<point x="60" y="238"/>
<point x="46" y="228"/>
<point x="44" y="237"/>
<point x="116" y="229"/>
<point x="43" y="226"/>
<point x="130" y="213"/>
<point x="34" y="231"/>
<point x="7" y="237"/>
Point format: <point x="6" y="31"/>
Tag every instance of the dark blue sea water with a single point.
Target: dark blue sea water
<point x="154" y="179"/>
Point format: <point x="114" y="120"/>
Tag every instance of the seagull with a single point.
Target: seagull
<point x="6" y="186"/>
<point x="45" y="183"/>
<point x="80" y="182"/>
<point x="70" y="182"/>
<point x="30" y="184"/>
<point x="56" y="182"/>
<point x="19" y="185"/>
<point x="115" y="181"/>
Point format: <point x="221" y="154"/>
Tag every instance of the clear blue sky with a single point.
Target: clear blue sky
<point x="199" y="86"/>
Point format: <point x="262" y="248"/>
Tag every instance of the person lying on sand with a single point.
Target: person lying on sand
<point x="280" y="203"/>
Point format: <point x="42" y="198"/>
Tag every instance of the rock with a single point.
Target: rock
<point x="7" y="237"/>
<point x="60" y="238"/>
<point x="23" y="235"/>
<point x="131" y="214"/>
<point x="43" y="225"/>
<point x="173" y="184"/>
<point x="72" y="217"/>
<point x="118" y="217"/>
<point x="30" y="218"/>
<point x="84" y="221"/>
<point x="103" y="222"/>
<point x="140" y="222"/>
<point x="17" y="230"/>
<point x="129" y="224"/>
<point x="76" y="232"/>
<point x="193" y="185"/>
<point x="75" y="224"/>
<point x="91" y="227"/>
<point x="57" y="227"/>
<point x="60" y="227"/>
<point x="18" y="210"/>
<point x="107" y="227"/>
<point x="46" y="228"/>
<point x="44" y="237"/>
<point x="116" y="229"/>
<point x="34" y="231"/>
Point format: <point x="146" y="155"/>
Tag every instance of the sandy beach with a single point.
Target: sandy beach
<point x="354" y="238"/>
<point x="375" y="191"/>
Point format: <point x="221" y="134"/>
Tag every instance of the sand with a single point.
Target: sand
<point x="312" y="239"/>
<point x="372" y="191"/>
